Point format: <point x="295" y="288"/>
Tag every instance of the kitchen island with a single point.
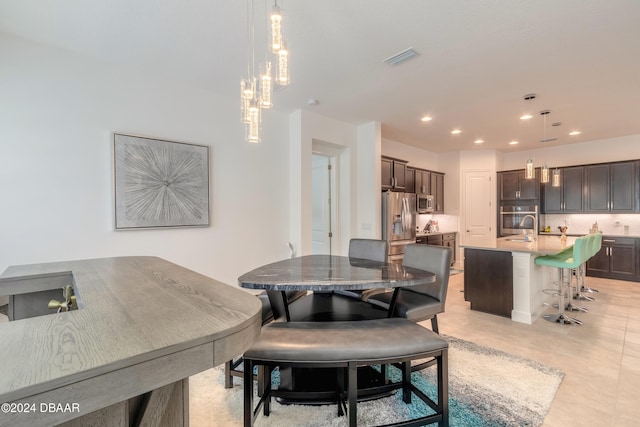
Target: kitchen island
<point x="142" y="327"/>
<point x="501" y="278"/>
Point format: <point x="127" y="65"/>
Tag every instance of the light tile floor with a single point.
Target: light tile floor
<point x="600" y="358"/>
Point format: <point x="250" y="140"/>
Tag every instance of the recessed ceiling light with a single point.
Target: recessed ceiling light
<point x="513" y="142"/>
<point x="478" y="141"/>
<point x="426" y="118"/>
<point x="456" y="131"/>
<point x="526" y="117"/>
<point x="575" y="132"/>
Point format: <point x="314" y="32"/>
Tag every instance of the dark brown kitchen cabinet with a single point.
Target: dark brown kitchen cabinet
<point x="437" y="190"/>
<point x="410" y="180"/>
<point x="393" y="172"/>
<point x="617" y="259"/>
<point x="611" y="187"/>
<point x="490" y="293"/>
<point x="570" y="196"/>
<point x="423" y="181"/>
<point x="512" y="185"/>
<point x="444" y="239"/>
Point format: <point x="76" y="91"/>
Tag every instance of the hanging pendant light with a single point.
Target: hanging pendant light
<point x="266" y="86"/>
<point x="257" y="93"/>
<point x="253" y="127"/>
<point x="555" y="181"/>
<point x="529" y="172"/>
<point x="283" y="66"/>
<point x="276" y="28"/>
<point x="544" y="174"/>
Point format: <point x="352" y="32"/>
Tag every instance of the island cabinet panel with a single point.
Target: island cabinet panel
<point x="488" y="281"/>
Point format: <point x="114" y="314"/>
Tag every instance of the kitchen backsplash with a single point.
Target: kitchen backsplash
<point x="614" y="224"/>
<point x="446" y="223"/>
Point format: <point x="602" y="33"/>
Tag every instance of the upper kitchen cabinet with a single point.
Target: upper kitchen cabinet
<point x="570" y="196"/>
<point x="611" y="187"/>
<point x="423" y="181"/>
<point x="410" y="180"/>
<point x="393" y="173"/>
<point x="437" y="191"/>
<point x="513" y="186"/>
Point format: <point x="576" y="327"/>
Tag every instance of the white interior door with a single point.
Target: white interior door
<point x="479" y="209"/>
<point x="321" y="232"/>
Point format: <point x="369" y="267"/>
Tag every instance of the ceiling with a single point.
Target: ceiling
<point x="477" y="59"/>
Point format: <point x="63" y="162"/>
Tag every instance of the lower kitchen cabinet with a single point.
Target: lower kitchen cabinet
<point x="440" y="239"/>
<point x="617" y="259"/>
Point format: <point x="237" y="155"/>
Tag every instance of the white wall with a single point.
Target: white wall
<point x="57" y="114"/>
<point x="310" y="132"/>
<point x="599" y="151"/>
<point x="417" y="157"/>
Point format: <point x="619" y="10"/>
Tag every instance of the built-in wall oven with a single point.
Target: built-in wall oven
<point x="518" y="220"/>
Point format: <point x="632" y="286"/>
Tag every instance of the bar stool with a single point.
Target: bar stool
<point x="596" y="244"/>
<point x="581" y="271"/>
<point x="565" y="261"/>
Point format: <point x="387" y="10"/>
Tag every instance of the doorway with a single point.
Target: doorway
<point x="478" y="211"/>
<point x="322" y="203"/>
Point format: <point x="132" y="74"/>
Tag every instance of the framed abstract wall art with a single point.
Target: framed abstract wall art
<point x="159" y="183"/>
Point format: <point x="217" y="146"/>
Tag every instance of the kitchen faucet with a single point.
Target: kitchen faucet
<point x="535" y="225"/>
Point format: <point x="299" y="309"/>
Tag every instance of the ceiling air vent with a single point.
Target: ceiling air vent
<point x="401" y="57"/>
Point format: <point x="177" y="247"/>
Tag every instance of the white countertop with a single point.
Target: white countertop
<point x="544" y="245"/>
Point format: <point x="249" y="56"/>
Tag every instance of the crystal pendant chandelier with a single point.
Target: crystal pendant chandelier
<point x="256" y="93"/>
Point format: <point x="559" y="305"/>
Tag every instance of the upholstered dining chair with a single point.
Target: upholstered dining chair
<point x="231" y="366"/>
<point x="421" y="302"/>
<point x="371" y="249"/>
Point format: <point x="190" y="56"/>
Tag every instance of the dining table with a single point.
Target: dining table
<point x="328" y="273"/>
<point x="322" y="275"/>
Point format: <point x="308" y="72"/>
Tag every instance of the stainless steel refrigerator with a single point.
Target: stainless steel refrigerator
<point x="398" y="222"/>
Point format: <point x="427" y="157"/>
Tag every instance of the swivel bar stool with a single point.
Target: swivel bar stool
<point x="565" y="261"/>
<point x="596" y="244"/>
<point x="581" y="271"/>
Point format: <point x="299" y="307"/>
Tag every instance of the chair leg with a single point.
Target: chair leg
<point x="228" y="378"/>
<point x="248" y="393"/>
<point x="434" y="324"/>
<point x="353" y="393"/>
<point x="406" y="382"/>
<point x="443" y="387"/>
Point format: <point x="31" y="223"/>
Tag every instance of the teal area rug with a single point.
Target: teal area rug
<point x="487" y="388"/>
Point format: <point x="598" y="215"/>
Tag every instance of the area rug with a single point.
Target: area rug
<point x="487" y="388"/>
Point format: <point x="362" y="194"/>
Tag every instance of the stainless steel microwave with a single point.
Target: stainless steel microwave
<point x="425" y="203"/>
